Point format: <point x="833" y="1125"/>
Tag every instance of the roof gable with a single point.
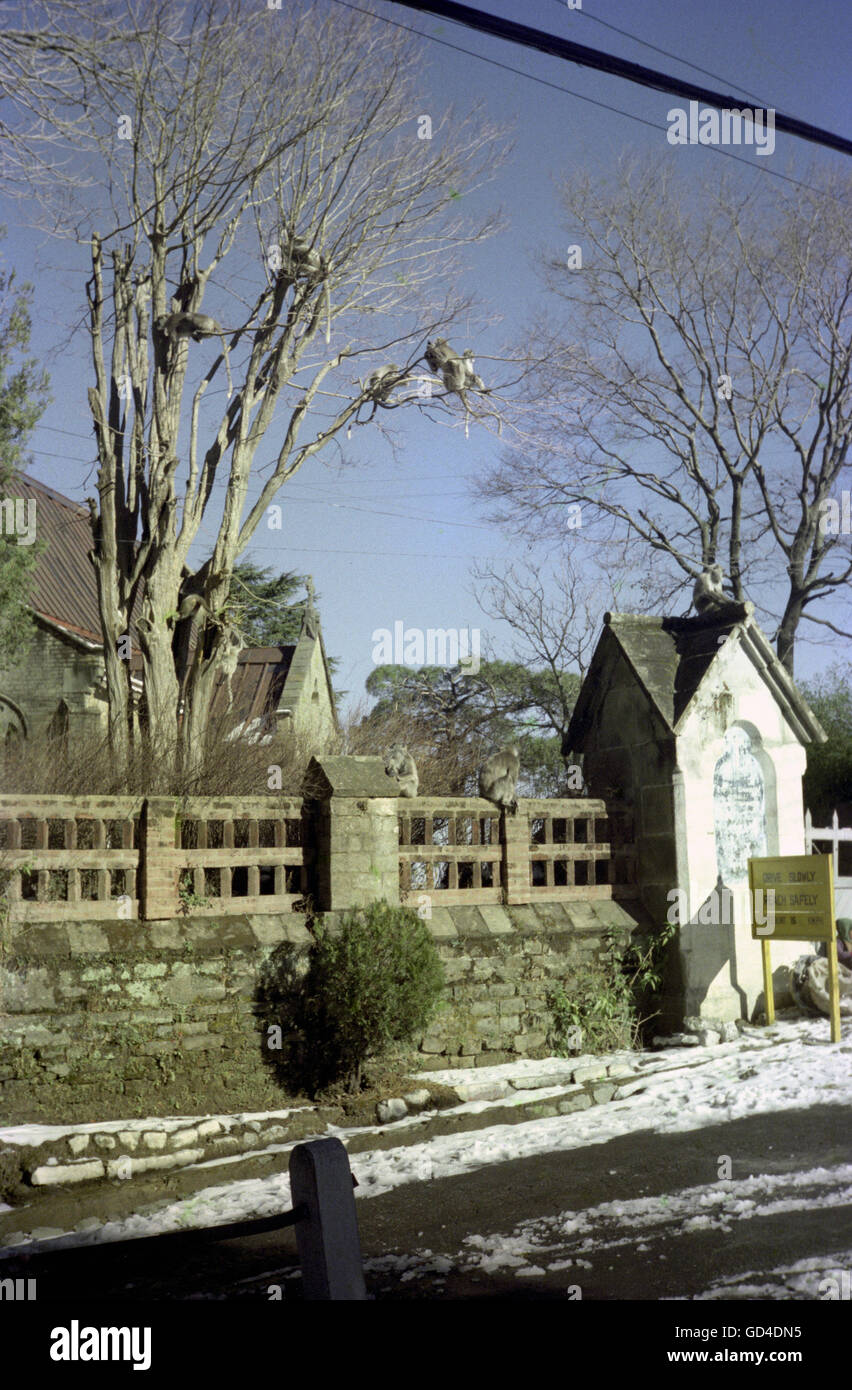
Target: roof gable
<point x="669" y="658"/>
<point x="256" y="686"/>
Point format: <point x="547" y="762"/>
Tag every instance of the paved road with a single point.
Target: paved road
<point x="670" y="1246"/>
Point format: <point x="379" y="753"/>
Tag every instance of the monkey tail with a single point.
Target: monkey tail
<point x="226" y="355"/>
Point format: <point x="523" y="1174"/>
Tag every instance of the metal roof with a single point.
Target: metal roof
<point x="256" y="685"/>
<point x="64" y="593"/>
<point x="64" y="587"/>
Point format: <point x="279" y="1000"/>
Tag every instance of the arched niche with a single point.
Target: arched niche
<point x="13" y="725"/>
<point x="745" y="819"/>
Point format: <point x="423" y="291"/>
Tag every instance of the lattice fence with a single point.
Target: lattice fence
<point x="61" y="851"/>
<point x="451" y="846"/>
<point x="250" y="854"/>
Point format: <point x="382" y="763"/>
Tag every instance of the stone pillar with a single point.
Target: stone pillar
<point x="158" y="876"/>
<point x="515" y="831"/>
<point x="356" y="832"/>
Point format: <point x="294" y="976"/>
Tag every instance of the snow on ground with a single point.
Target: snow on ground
<point x="794" y="1068"/>
<point x="820" y="1277"/>
<point x="641" y="1227"/>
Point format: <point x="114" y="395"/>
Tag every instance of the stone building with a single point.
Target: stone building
<point x="695" y="724"/>
<point x="59" y="686"/>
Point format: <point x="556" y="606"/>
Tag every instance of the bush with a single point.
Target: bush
<point x="374" y="979"/>
<point x="611" y="999"/>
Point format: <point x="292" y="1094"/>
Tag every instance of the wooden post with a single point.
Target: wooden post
<point x="833" y="979"/>
<point x="327" y="1237"/>
<point x="768" y="992"/>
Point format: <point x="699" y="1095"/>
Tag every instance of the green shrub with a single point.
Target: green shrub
<point x="373" y="979"/>
<point x="610" y="1000"/>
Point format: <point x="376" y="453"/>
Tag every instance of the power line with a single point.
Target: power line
<point x="556" y="47"/>
<point x="580" y="96"/>
<point x="367" y="482"/>
<point x="664" y="51"/>
<point x="339" y="506"/>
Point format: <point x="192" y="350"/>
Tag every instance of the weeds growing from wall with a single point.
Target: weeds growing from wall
<point x="610" y="1001"/>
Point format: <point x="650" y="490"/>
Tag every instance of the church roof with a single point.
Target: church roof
<point x="670" y="657"/>
<point x="64" y="589"/>
<point x="256" y="685"/>
<point x="64" y="594"/>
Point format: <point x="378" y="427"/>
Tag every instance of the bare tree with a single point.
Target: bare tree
<point x="269" y="161"/>
<point x="697" y="396"/>
<point x="556" y="623"/>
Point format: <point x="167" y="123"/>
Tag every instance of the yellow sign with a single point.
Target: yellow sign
<point x="794" y="895"/>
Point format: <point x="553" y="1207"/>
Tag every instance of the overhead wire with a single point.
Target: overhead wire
<point x="580" y="96"/>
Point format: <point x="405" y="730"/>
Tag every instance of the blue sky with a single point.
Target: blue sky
<point x="392" y="537"/>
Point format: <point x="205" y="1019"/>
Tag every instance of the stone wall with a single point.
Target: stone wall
<point x="500" y="964"/>
<point x="114" y="1019"/>
<point x="111" y="1019"/>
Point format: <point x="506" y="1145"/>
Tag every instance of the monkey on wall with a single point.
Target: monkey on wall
<point x="498" y="778"/>
<point x="400" y="765"/>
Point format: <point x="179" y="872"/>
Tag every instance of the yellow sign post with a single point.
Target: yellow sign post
<point x="797" y="897"/>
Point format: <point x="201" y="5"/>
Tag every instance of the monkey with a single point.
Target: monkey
<point x="379" y="385"/>
<point x="457" y="373"/>
<point x="302" y="262"/>
<point x="443" y="360"/>
<point x="400" y="765"/>
<point x="710" y="599"/>
<point x="195" y="326"/>
<point x="472" y="381"/>
<point x="381" y="382"/>
<point x="498" y="778"/>
<point x="178" y="325"/>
